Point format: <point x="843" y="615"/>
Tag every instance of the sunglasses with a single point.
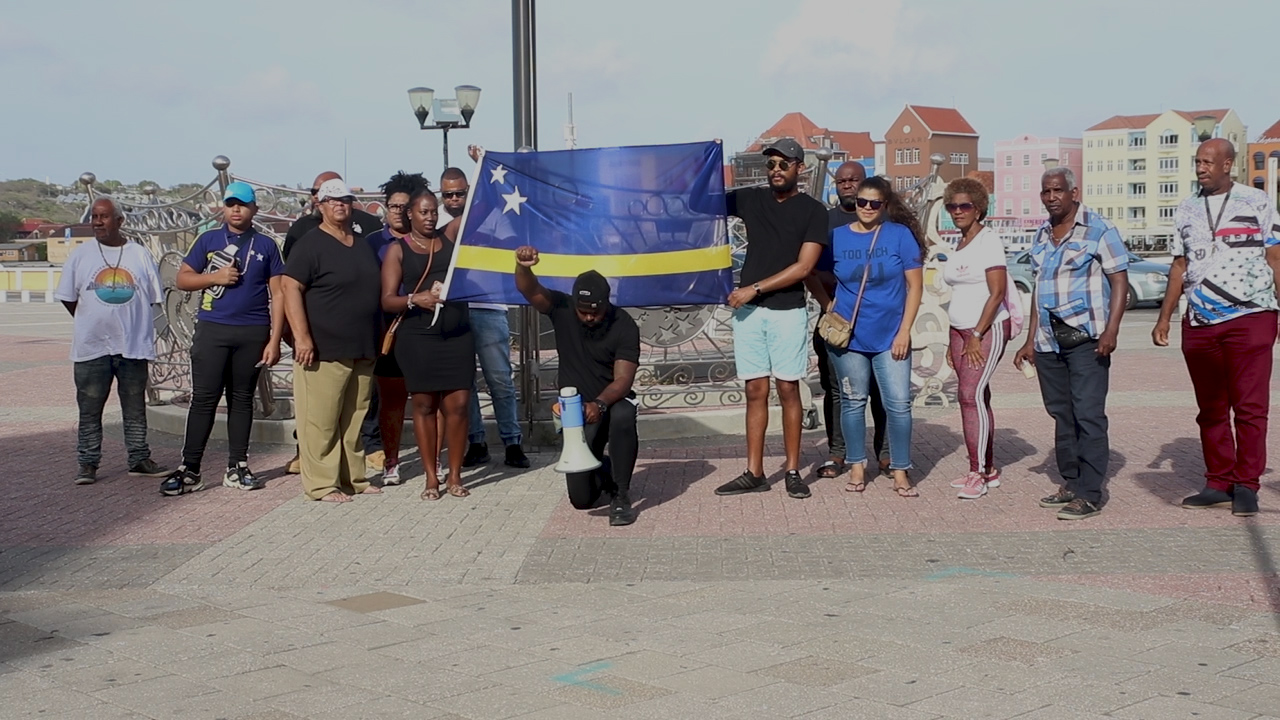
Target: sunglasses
<point x="962" y="207"/>
<point x="783" y="165"/>
<point x="397" y="207"/>
<point x="453" y="194"/>
<point x="873" y="204"/>
<point x="340" y="200"/>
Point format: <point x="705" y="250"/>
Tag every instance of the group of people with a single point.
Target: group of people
<point x="359" y="300"/>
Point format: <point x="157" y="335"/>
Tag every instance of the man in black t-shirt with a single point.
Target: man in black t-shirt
<point x="847" y="179"/>
<point x="786" y="231"/>
<point x="599" y="349"/>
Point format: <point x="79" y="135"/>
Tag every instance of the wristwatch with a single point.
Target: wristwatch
<point x="603" y="408"/>
<point x="756" y="287"/>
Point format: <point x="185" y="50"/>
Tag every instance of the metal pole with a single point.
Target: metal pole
<point x="524" y="101"/>
<point x="445" y="130"/>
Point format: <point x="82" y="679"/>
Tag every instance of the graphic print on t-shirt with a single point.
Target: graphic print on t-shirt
<point x="114" y="286"/>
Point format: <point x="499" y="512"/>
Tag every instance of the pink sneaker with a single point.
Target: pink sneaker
<point x="975" y="488"/>
<point x="964" y="479"/>
<point x="993" y="480"/>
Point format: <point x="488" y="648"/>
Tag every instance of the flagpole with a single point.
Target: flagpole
<point x="525" y="90"/>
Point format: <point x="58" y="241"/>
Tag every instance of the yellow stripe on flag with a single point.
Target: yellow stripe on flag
<point x="611" y="266"/>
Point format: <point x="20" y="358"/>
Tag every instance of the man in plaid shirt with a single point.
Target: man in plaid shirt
<point x="1081" y="270"/>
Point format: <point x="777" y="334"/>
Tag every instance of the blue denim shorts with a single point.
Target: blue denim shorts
<point x="771" y="343"/>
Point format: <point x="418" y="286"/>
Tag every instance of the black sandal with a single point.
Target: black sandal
<point x="831" y="469"/>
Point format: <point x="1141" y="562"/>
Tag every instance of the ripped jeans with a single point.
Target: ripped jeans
<point x="893" y="377"/>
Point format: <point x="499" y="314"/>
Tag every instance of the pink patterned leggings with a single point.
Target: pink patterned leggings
<point x="975" y="392"/>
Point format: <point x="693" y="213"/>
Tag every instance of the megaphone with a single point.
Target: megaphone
<point x="575" y="456"/>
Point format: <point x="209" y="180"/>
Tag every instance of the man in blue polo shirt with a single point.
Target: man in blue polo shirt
<point x="1081" y="284"/>
<point x="239" y="325"/>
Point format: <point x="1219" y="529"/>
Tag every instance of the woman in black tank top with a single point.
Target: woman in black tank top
<point x="433" y="345"/>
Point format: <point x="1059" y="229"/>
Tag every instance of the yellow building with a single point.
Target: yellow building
<point x="1137" y="168"/>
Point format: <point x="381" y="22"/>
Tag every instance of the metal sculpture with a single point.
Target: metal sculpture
<point x="929" y="334"/>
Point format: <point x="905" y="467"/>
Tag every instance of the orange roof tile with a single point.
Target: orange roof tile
<point x="857" y="144"/>
<point x="1124" y="122"/>
<point x="792" y="125"/>
<point x="947" y="121"/>
<point x="1271" y="134"/>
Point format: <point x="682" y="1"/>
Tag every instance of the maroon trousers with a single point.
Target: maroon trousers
<point x="1230" y="367"/>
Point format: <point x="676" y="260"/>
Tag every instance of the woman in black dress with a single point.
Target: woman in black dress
<point x="436" y="351"/>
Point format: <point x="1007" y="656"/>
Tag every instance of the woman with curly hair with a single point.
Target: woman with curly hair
<point x="980" y="327"/>
<point x="879" y="285"/>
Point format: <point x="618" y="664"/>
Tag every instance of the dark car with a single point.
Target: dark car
<point x="1147" y="279"/>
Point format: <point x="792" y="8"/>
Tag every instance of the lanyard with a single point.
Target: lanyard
<point x="248" y="258"/>
<point x="1213" y="224"/>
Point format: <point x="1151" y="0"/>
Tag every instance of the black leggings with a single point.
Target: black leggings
<point x="617" y="431"/>
<point x="224" y="358"/>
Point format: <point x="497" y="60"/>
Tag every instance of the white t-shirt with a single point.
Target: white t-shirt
<point x="966" y="273"/>
<point x="114" y="288"/>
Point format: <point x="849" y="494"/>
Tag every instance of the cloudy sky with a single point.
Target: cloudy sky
<point x="143" y="89"/>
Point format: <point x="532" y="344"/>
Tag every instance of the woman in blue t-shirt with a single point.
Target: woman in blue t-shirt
<point x="879" y="283"/>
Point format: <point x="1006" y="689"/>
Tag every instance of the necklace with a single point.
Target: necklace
<point x="119" y="260"/>
<point x="419" y="243"/>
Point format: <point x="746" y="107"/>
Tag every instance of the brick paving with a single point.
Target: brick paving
<point x="118" y="603"/>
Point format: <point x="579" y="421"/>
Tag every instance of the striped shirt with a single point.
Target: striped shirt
<point x="1070" y="277"/>
<point x="1227" y="273"/>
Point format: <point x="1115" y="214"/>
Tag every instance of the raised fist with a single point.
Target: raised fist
<point x="526" y="256"/>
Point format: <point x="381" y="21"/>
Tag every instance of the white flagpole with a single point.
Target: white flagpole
<point x="462" y="230"/>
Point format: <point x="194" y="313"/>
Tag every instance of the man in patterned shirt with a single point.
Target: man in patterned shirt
<point x="1226" y="260"/>
<point x="1081" y="270"/>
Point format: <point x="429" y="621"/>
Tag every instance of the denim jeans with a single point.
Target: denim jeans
<point x="492" y="333"/>
<point x="1074" y="386"/>
<point x="93" y="385"/>
<point x="893" y="377"/>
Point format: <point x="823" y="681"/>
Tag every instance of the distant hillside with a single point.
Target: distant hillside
<point x="31" y="198"/>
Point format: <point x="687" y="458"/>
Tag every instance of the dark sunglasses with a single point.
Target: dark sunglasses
<point x="873" y="204"/>
<point x="453" y="194"/>
<point x="962" y="207"/>
<point x="783" y="165"/>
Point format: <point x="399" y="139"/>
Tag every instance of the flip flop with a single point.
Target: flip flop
<point x="431" y="493"/>
<point x="830" y="470"/>
<point x="906" y="492"/>
<point x="457" y="491"/>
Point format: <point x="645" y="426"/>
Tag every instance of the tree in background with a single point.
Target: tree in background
<point x="9" y="225"/>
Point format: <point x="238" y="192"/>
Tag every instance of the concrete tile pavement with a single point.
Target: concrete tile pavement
<point x="115" y="602"/>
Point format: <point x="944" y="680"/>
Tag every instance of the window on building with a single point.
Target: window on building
<point x="1026" y="207"/>
<point x="1088" y="143"/>
<point x="1168" y="138"/>
<point x="1110" y="189"/>
<point x="1259" y="161"/>
<point x="1026" y="182"/>
<point x="1044" y="156"/>
<point x="1137" y="190"/>
<point x="1088" y="167"/>
<point x="1168" y="164"/>
<point x="1109" y="216"/>
<point x="897" y="156"/>
<point x="1111" y="165"/>
<point x="1008" y="183"/>
<point x="1168" y="189"/>
<point x="1166" y="213"/>
<point x="960" y="159"/>
<point x="1026" y="160"/>
<point x="1008" y="160"/>
<point x="1138" y="165"/>
<point x="1138" y="140"/>
<point x="1137" y="213"/>
<point x="1066" y="158"/>
<point x="915" y="156"/>
<point x="1008" y="209"/>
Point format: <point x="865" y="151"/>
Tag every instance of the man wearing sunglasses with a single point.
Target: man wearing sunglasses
<point x="786" y="231"/>
<point x="362" y="224"/>
<point x="493" y="348"/>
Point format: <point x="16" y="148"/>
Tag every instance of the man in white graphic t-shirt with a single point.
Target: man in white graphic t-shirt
<point x="109" y="287"/>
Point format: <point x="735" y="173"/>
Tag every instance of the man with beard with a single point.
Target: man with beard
<point x="599" y="347"/>
<point x="786" y="231"/>
<point x="847" y="178"/>
<point x="1082" y="279"/>
<point x="1226" y="258"/>
<point x="492" y="333"/>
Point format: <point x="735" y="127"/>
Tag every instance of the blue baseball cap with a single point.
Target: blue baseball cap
<point x="241" y="191"/>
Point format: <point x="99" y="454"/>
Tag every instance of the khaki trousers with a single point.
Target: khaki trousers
<point x="331" y="398"/>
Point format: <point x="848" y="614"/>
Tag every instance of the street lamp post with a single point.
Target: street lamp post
<point x="449" y="113"/>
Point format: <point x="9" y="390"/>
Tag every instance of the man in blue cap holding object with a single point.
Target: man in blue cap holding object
<point x="237" y="272"/>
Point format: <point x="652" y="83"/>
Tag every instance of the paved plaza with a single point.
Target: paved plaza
<point x="116" y="602"/>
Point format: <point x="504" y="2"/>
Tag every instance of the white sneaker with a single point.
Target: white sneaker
<point x="993" y="480"/>
<point x="974" y="488"/>
<point x="391" y="475"/>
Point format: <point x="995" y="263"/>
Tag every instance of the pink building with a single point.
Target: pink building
<point x="1019" y="164"/>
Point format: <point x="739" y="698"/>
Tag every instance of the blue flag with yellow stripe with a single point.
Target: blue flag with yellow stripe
<point x="650" y="219"/>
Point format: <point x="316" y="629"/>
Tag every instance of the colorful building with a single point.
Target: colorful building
<point x="1137" y="168"/>
<point x="1263" y="153"/>
<point x="1019" y="164"/>
<point x="919" y="132"/>
<point x="747" y="167"/>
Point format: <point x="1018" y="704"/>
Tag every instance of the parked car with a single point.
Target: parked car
<point x="1147" y="279"/>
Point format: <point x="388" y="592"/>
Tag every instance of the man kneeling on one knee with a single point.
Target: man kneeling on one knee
<point x="599" y="349"/>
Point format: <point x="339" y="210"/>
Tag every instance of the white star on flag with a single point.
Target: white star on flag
<point x="514" y="201"/>
<point x="499" y="175"/>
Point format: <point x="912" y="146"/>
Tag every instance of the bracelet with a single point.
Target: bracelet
<point x="756" y="287"/>
<point x="603" y="407"/>
<point x="408" y="304"/>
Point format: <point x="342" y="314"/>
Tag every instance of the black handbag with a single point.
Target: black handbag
<point x="1068" y="336"/>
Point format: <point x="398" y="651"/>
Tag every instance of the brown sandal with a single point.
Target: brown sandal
<point x="431" y="493"/>
<point x="831" y="469"/>
<point x="457" y="490"/>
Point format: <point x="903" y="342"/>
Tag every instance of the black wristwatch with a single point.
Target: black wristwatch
<point x="603" y="407"/>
